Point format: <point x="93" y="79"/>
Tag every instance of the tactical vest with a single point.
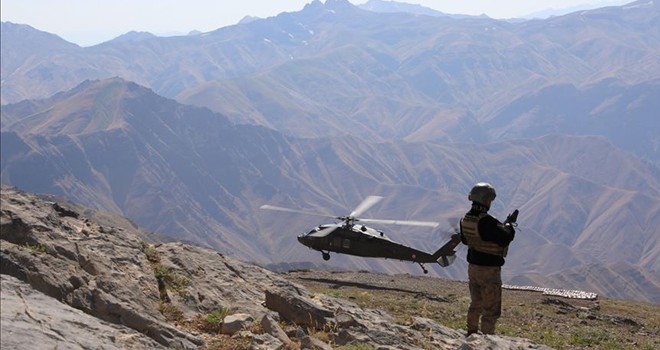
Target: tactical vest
<point x="470" y="230"/>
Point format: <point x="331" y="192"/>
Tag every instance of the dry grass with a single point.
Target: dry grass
<point x="553" y="321"/>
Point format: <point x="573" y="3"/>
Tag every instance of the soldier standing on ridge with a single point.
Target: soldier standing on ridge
<point x="488" y="241"/>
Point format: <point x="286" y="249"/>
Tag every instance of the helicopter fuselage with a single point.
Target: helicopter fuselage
<point x="360" y="240"/>
<point x="350" y="238"/>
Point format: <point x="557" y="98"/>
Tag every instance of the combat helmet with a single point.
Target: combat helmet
<point x="482" y="192"/>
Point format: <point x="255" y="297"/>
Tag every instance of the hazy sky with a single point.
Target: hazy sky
<point x="88" y="22"/>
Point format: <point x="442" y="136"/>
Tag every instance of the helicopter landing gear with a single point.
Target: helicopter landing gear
<point x="423" y="268"/>
<point x="326" y="256"/>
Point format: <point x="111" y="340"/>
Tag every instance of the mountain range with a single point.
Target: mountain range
<point x="380" y="75"/>
<point x="317" y="109"/>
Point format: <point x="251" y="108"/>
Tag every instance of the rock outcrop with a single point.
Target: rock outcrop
<point x="33" y="320"/>
<point x="69" y="282"/>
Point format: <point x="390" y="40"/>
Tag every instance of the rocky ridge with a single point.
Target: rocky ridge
<point x="70" y="282"/>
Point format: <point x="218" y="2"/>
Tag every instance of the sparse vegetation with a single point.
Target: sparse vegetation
<point x="210" y="325"/>
<point x="167" y="279"/>
<point x="150" y="251"/>
<point x="320" y="334"/>
<point x="37" y="248"/>
<point x="227" y="343"/>
<point x="358" y="346"/>
<point x="173" y="281"/>
<point x="552" y="321"/>
<point x="171" y="312"/>
<point x="212" y="322"/>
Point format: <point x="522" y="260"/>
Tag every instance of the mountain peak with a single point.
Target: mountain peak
<point x="337" y="4"/>
<point x="94" y="105"/>
<point x="314" y="4"/>
<point x="330" y="5"/>
<point x="134" y="36"/>
<point x="393" y="6"/>
<point x="20" y="41"/>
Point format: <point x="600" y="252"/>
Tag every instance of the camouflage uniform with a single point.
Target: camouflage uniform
<point x="487" y="240"/>
<point x="486" y="296"/>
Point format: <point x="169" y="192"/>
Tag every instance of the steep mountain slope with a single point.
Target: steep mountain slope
<point x="623" y="114"/>
<point x="25" y="48"/>
<point x="600" y="39"/>
<point x="21" y="42"/>
<point x="187" y="172"/>
<point x="127" y="150"/>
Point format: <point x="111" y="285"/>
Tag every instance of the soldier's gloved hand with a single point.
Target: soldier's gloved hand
<point x="510" y="228"/>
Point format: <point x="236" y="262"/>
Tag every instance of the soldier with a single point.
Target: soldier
<point x="488" y="241"/>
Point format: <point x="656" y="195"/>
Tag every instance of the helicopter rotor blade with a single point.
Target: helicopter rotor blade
<point x="323" y="232"/>
<point x="366" y="204"/>
<point x="272" y="207"/>
<point x="401" y="222"/>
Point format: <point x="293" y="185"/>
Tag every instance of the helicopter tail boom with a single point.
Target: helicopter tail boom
<point x="446" y="254"/>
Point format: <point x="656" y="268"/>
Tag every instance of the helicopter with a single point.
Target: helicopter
<point x="350" y="236"/>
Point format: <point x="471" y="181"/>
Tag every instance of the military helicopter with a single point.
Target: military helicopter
<point x="353" y="238"/>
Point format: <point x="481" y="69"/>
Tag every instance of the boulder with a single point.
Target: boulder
<point x="236" y="322"/>
<point x="294" y="305"/>
<point x="271" y="327"/>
